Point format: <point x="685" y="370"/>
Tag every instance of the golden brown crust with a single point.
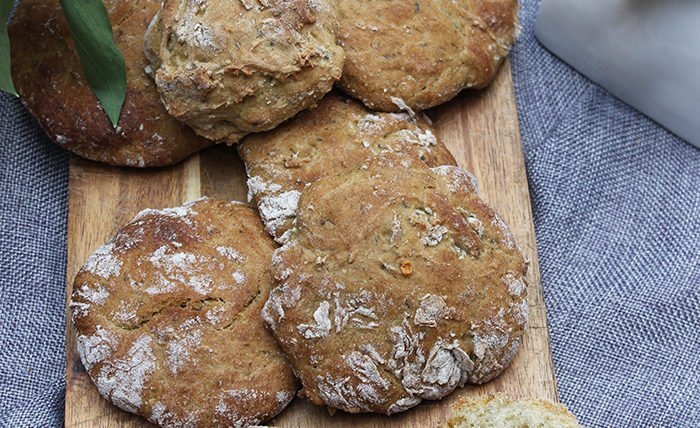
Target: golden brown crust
<point x="337" y="135"/>
<point x="50" y="81"/>
<point x="499" y="410"/>
<point x="397" y="284"/>
<point x="168" y="318"/>
<point x="229" y="68"/>
<point x="423" y="52"/>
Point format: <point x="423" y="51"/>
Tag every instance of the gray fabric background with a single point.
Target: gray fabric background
<point x="617" y="212"/>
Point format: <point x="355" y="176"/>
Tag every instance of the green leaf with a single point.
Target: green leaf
<point x="5" y="72"/>
<point x="102" y="62"/>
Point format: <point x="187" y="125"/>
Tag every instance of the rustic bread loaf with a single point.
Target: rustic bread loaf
<point x="501" y="411"/>
<point x="229" y="68"/>
<point x="422" y="53"/>
<point x="168" y="318"/>
<point x="49" y="78"/>
<point x="398" y="284"/>
<point x="337" y="135"/>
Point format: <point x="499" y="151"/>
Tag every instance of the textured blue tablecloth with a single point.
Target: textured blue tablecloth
<point x="617" y="212"/>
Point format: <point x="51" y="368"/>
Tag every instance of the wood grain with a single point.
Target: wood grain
<point x="481" y="130"/>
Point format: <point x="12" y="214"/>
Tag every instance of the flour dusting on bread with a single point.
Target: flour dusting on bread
<point x="183" y="315"/>
<point x="122" y="379"/>
<point x="335" y="136"/>
<point x="379" y="314"/>
<point x="103" y="262"/>
<point x="96" y="348"/>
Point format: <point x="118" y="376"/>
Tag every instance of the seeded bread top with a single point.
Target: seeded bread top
<point x="168" y="318"/>
<point x="229" y="68"/>
<point x="397" y="284"/>
<point x="49" y="78"/>
<point x="337" y="135"/>
<point x="422" y="53"/>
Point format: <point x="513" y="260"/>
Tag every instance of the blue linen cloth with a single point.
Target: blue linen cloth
<point x="617" y="214"/>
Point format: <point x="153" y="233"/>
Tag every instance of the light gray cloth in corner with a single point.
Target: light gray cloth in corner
<point x="617" y="212"/>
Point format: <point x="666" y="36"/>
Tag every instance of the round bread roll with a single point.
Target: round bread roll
<point x="49" y="78"/>
<point x="398" y="284"/>
<point x="501" y="411"/>
<point x="337" y="135"/>
<point x="168" y="318"/>
<point x="229" y="68"/>
<point x="422" y="53"/>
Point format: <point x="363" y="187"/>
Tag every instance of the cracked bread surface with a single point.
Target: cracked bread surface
<point x="424" y="52"/>
<point x="398" y="284"/>
<point x="52" y="86"/>
<point x="335" y="136"/>
<point x="231" y="67"/>
<point x="168" y="318"/>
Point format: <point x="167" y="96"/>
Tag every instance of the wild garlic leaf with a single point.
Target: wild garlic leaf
<point x="102" y="62"/>
<point x="5" y="72"/>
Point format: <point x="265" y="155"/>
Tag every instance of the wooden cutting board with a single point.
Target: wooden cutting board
<point x="481" y="130"/>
